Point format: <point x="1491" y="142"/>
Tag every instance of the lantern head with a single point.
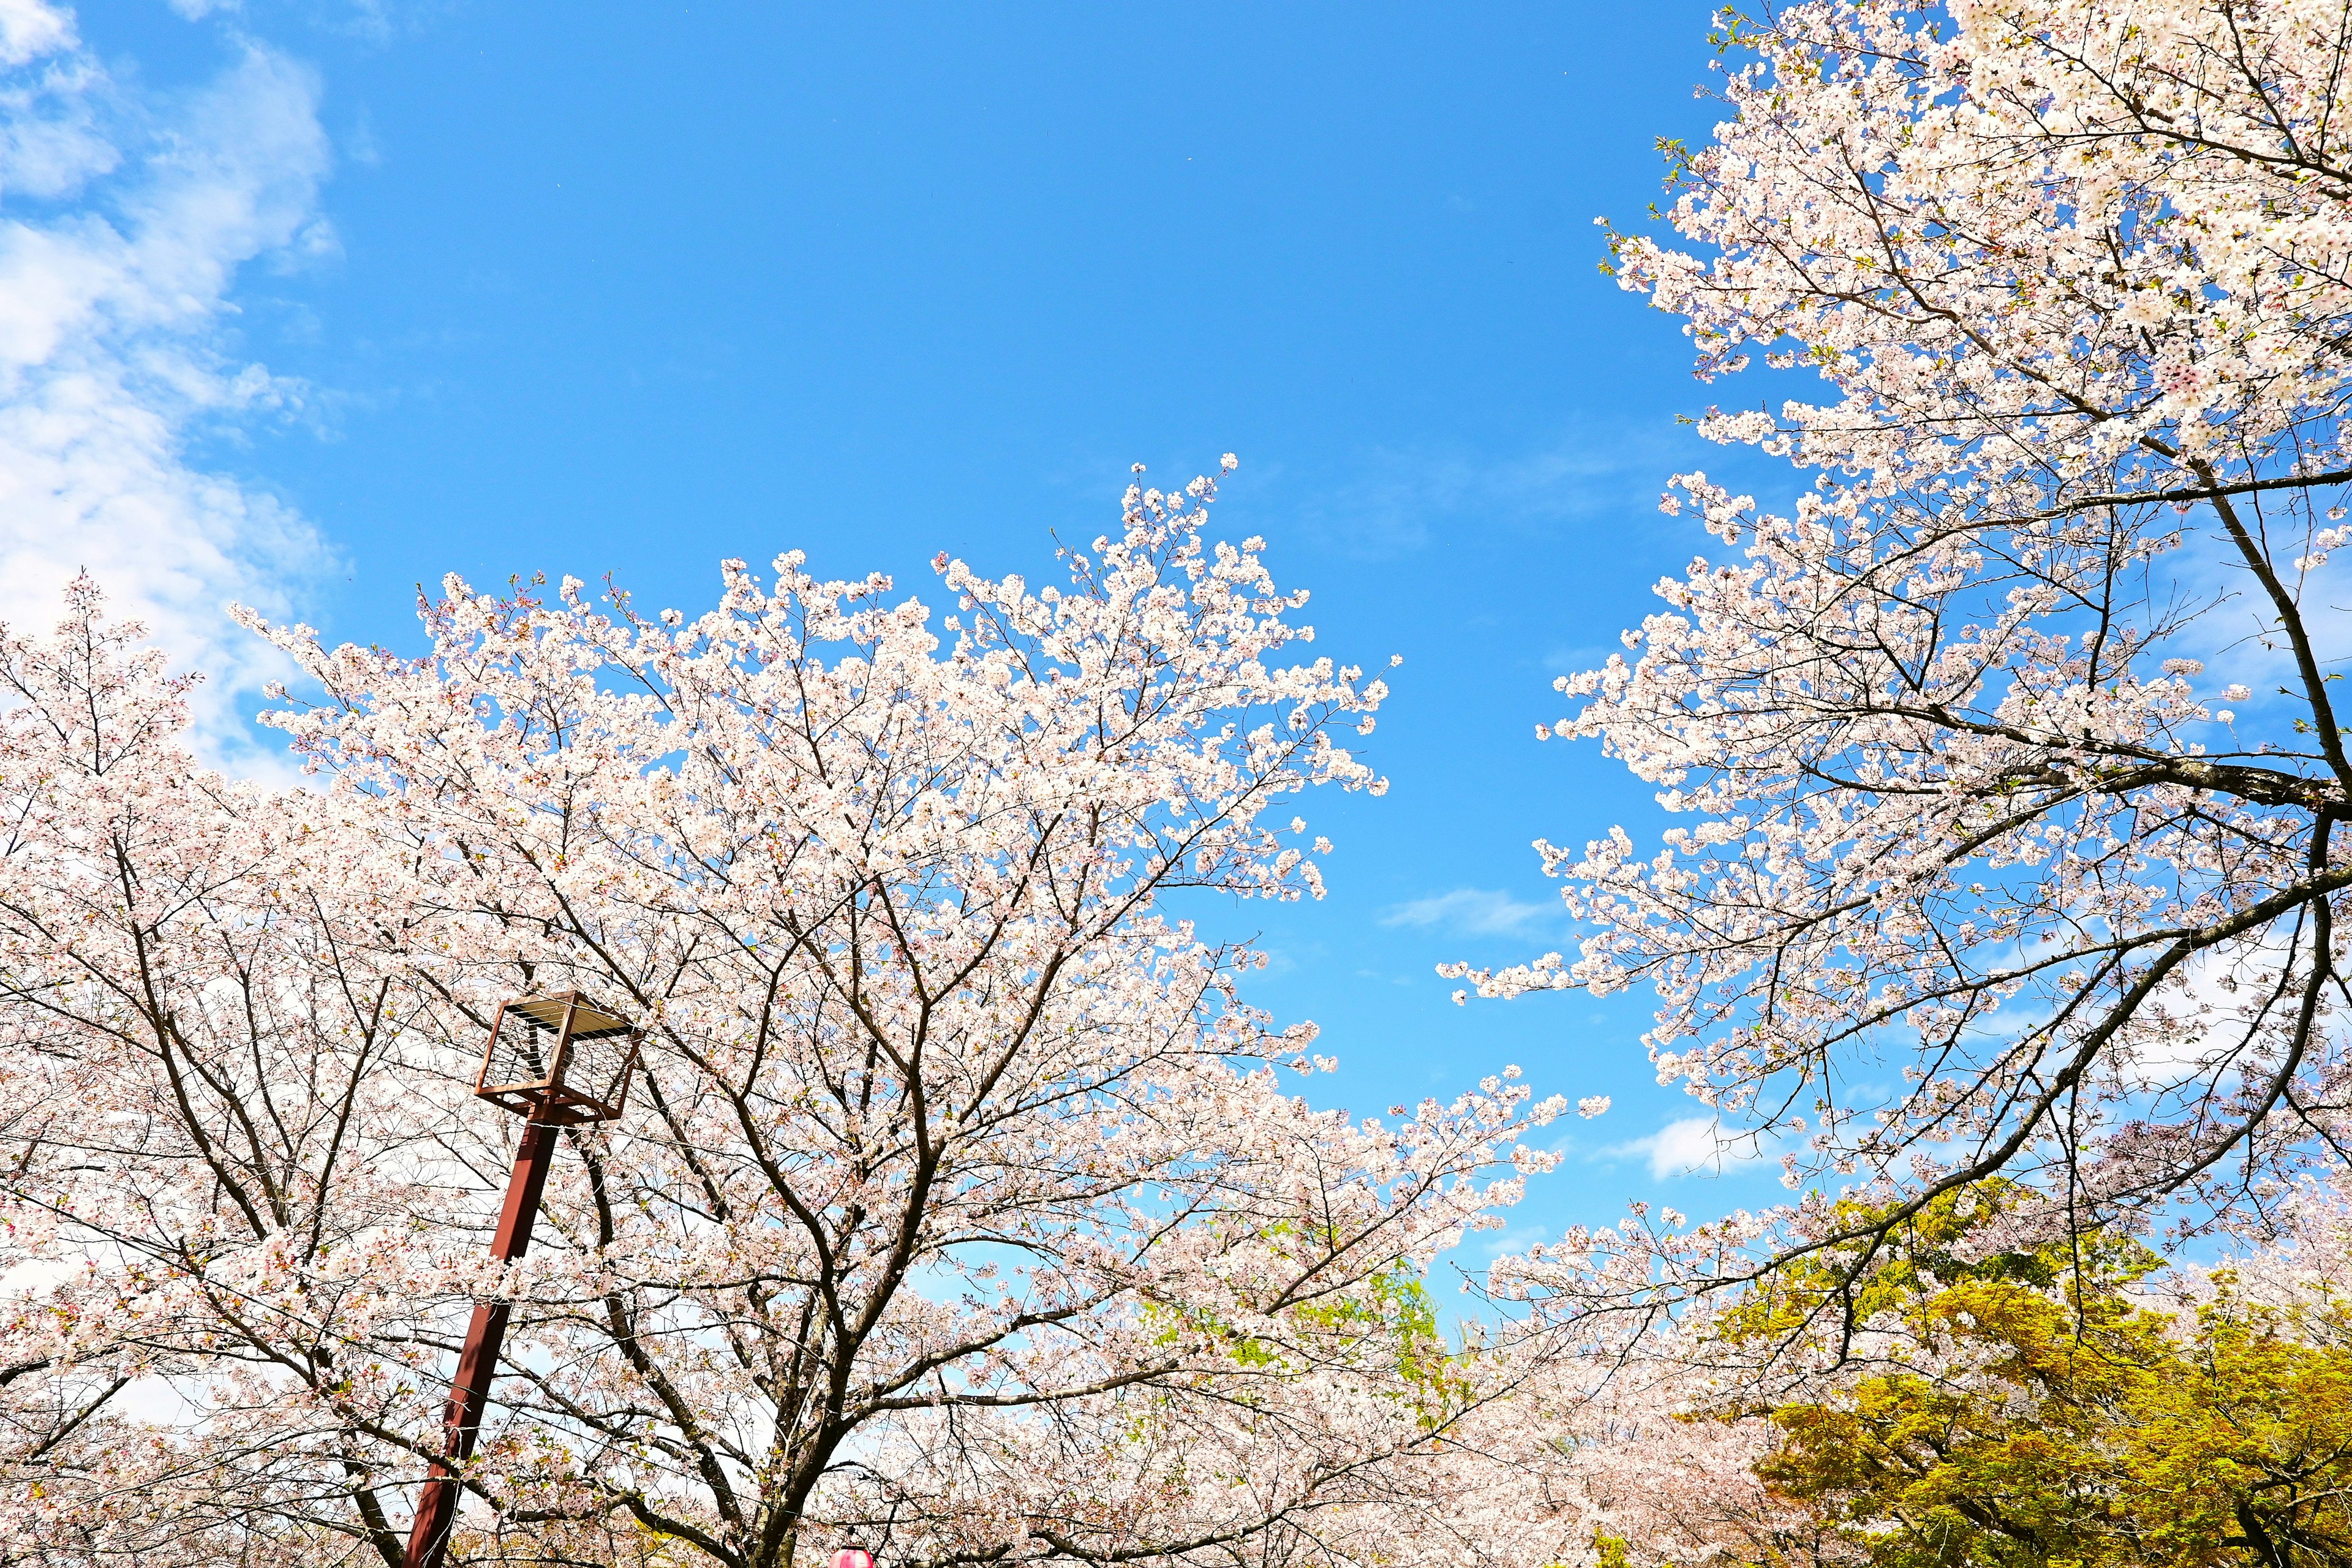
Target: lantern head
<point x="559" y="1058"/>
<point x="851" y="1557"/>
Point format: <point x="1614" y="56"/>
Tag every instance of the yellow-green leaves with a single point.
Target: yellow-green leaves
<point x="2030" y="1407"/>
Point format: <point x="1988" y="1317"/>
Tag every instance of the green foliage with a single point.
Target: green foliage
<point x="1386" y="1321"/>
<point x="2034" y="1411"/>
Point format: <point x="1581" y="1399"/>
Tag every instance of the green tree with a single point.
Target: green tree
<point x="2032" y="1407"/>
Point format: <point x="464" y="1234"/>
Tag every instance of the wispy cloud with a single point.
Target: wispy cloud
<point x="29" y="29"/>
<point x="130" y="218"/>
<point x="1688" y="1146"/>
<point x="1397" y="499"/>
<point x="1472" y="910"/>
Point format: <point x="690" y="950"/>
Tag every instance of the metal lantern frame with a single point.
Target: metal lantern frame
<point x="558" y="1059"/>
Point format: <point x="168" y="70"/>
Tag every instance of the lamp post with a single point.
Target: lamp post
<point x="556" y="1061"/>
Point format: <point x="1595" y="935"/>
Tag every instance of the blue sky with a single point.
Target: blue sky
<point x="301" y="304"/>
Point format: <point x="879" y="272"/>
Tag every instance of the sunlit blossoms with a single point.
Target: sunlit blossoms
<point x="965" y="1209"/>
<point x="1997" y="861"/>
<point x="960" y="1207"/>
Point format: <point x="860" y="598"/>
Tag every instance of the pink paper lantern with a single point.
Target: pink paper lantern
<point x="851" y="1557"/>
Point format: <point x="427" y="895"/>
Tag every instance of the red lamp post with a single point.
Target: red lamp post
<point x="556" y="1061"/>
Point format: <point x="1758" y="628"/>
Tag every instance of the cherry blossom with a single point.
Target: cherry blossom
<point x="1984" y="872"/>
<point x="961" y="1206"/>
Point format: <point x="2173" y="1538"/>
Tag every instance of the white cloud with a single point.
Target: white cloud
<point x="30" y="28"/>
<point x="1474" y="910"/>
<point x="1400" y="501"/>
<point x="126" y="221"/>
<point x="1691" y="1146"/>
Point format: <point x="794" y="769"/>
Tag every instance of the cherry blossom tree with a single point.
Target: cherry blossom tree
<point x="2011" y="747"/>
<point x="957" y="1210"/>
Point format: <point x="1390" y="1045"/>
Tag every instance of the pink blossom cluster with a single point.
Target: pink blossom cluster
<point x="1983" y="870"/>
<point x="960" y="1206"/>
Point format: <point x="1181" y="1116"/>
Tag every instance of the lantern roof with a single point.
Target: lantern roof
<point x="588" y="1022"/>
